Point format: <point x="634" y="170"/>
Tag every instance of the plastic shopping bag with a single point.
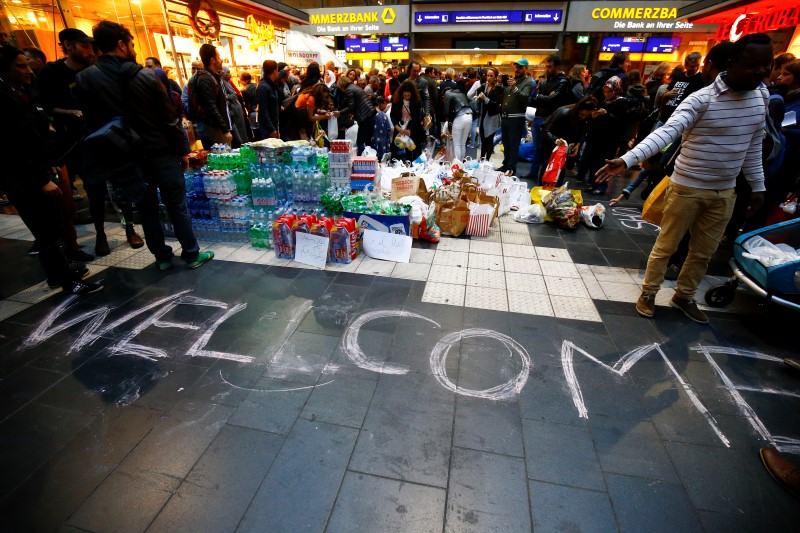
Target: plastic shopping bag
<point x="653" y="208"/>
<point x="554" y="167"/>
<point x="593" y="215"/>
<point x="333" y="128"/>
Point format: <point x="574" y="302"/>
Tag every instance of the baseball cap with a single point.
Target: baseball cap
<point x="523" y="62"/>
<point x="73" y="34"/>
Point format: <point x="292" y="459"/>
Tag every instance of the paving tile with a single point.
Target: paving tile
<point x="408" y="431"/>
<point x="552" y="254"/>
<point x="558" y="508"/>
<point x="518" y="281"/>
<point x="484" y="247"/>
<point x="516" y="238"/>
<point x="417" y="271"/>
<point x="444" y="293"/>
<point x="32" y="295"/>
<point x="519" y="250"/>
<point x="486" y="298"/>
<point x="646" y="505"/>
<point x="272" y="405"/>
<point x="23" y="386"/>
<point x="586" y="254"/>
<point x="448" y="274"/>
<point x="574" y="308"/>
<point x="487" y="492"/>
<point x="494" y="235"/>
<point x="215" y="495"/>
<point x="452" y="244"/>
<point x="564" y="286"/>
<point x="621" y="292"/>
<point x="9" y="308"/>
<point x="485" y="262"/>
<point x="41" y="503"/>
<point x="635" y="450"/>
<point x="530" y="303"/>
<point x="422" y="256"/>
<point x="522" y="264"/>
<point x="489" y="426"/>
<point x="546" y="397"/>
<point x="125" y="502"/>
<point x="491" y="279"/>
<point x="558" y="269"/>
<point x="446" y="258"/>
<point x="343" y="401"/>
<point x="386" y="505"/>
<point x="610" y="274"/>
<point x="375" y="267"/>
<point x="550" y="460"/>
<point x="288" y="501"/>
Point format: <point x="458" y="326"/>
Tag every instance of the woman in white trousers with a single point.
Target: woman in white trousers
<point x="458" y="115"/>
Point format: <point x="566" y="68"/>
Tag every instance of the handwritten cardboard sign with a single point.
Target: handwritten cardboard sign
<point x="311" y="249"/>
<point x="387" y="246"/>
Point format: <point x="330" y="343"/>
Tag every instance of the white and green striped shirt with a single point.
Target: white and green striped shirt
<point x="722" y="133"/>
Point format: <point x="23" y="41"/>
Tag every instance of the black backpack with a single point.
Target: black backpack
<point x="599" y="79"/>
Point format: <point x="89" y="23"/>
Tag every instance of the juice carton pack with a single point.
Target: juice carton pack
<point x="283" y="237"/>
<point x="343" y="241"/>
<point x="323" y="228"/>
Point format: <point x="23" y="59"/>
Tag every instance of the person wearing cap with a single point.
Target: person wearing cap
<point x="512" y="114"/>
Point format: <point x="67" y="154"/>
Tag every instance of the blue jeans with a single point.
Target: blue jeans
<point x="512" y="130"/>
<point x="164" y="175"/>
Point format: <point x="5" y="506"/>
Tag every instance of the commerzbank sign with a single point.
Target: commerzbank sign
<point x="366" y="20"/>
<point x="627" y="17"/>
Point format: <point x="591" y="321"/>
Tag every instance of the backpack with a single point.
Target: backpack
<point x="774" y="147"/>
<point x="193" y="110"/>
<point x="114" y="150"/>
<point x="599" y="79"/>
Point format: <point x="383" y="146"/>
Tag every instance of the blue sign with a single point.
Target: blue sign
<point x="394" y="44"/>
<point x="361" y="45"/>
<point x="621" y="44"/>
<point x="663" y="45"/>
<point x="544" y="17"/>
<point x="486" y="17"/>
<point x="432" y="17"/>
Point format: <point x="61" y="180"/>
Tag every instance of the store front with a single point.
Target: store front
<point x="779" y="20"/>
<point x="366" y="36"/>
<point x="464" y="35"/>
<point x="652" y="32"/>
<point x="246" y="33"/>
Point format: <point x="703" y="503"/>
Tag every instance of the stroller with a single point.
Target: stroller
<point x="779" y="283"/>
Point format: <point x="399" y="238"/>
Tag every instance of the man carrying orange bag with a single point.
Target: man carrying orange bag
<point x="722" y="126"/>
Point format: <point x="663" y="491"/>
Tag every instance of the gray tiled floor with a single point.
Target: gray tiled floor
<point x="306" y="436"/>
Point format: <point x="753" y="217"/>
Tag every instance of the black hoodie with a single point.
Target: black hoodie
<point x="115" y="86"/>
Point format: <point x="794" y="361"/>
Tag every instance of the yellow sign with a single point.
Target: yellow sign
<point x="343" y="18"/>
<point x="388" y="16"/>
<point x="634" y="13"/>
<point x="260" y="34"/>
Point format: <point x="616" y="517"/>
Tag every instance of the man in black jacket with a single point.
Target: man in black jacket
<point x="26" y="175"/>
<point x="552" y="94"/>
<point x="269" y="101"/>
<point x="208" y="99"/>
<point x="359" y="104"/>
<point x="116" y="86"/>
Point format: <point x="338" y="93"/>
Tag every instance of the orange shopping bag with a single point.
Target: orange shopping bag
<point x="653" y="207"/>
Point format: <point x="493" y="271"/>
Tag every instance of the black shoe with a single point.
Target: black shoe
<point x="81" y="256"/>
<point x="34" y="249"/>
<point x="501" y="169"/>
<point x="78" y="268"/>
<point x="80" y="288"/>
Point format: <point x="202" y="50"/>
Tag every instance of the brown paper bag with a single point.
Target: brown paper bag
<point x="471" y="193"/>
<point x="408" y="184"/>
<point x="452" y="217"/>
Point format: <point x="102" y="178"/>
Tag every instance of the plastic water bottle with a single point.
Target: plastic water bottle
<point x="288" y="183"/>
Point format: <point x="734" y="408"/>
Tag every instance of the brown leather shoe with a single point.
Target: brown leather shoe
<point x="794" y="364"/>
<point x="689" y="308"/>
<point x="781" y="470"/>
<point x="646" y="305"/>
<point x="133" y="238"/>
<point x="101" y="247"/>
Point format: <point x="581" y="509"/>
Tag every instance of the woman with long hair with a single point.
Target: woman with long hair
<point x="458" y="119"/>
<point x="577" y="80"/>
<point x="489" y="96"/>
<point x="407" y="116"/>
<point x="656" y="80"/>
<point x="313" y="76"/>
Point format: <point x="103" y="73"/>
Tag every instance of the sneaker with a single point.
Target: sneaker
<point x="165" y="265"/>
<point x="689" y="308"/>
<point x="646" y="304"/>
<point x="101" y="247"/>
<point x="134" y="240"/>
<point x="202" y="258"/>
<point x="672" y="273"/>
<point x="3" y="199"/>
<point x="34" y="249"/>
<point x="81" y="288"/>
<point x="78" y="268"/>
<point x="80" y="256"/>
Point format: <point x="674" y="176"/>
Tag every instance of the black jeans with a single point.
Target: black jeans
<point x="164" y="175"/>
<point x="512" y="130"/>
<point x="365" y="130"/>
<point x="43" y="216"/>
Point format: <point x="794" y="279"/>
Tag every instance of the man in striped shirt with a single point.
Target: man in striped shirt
<point x="722" y="126"/>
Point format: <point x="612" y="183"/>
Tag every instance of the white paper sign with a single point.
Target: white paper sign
<point x="387" y="246"/>
<point x="311" y="249"/>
